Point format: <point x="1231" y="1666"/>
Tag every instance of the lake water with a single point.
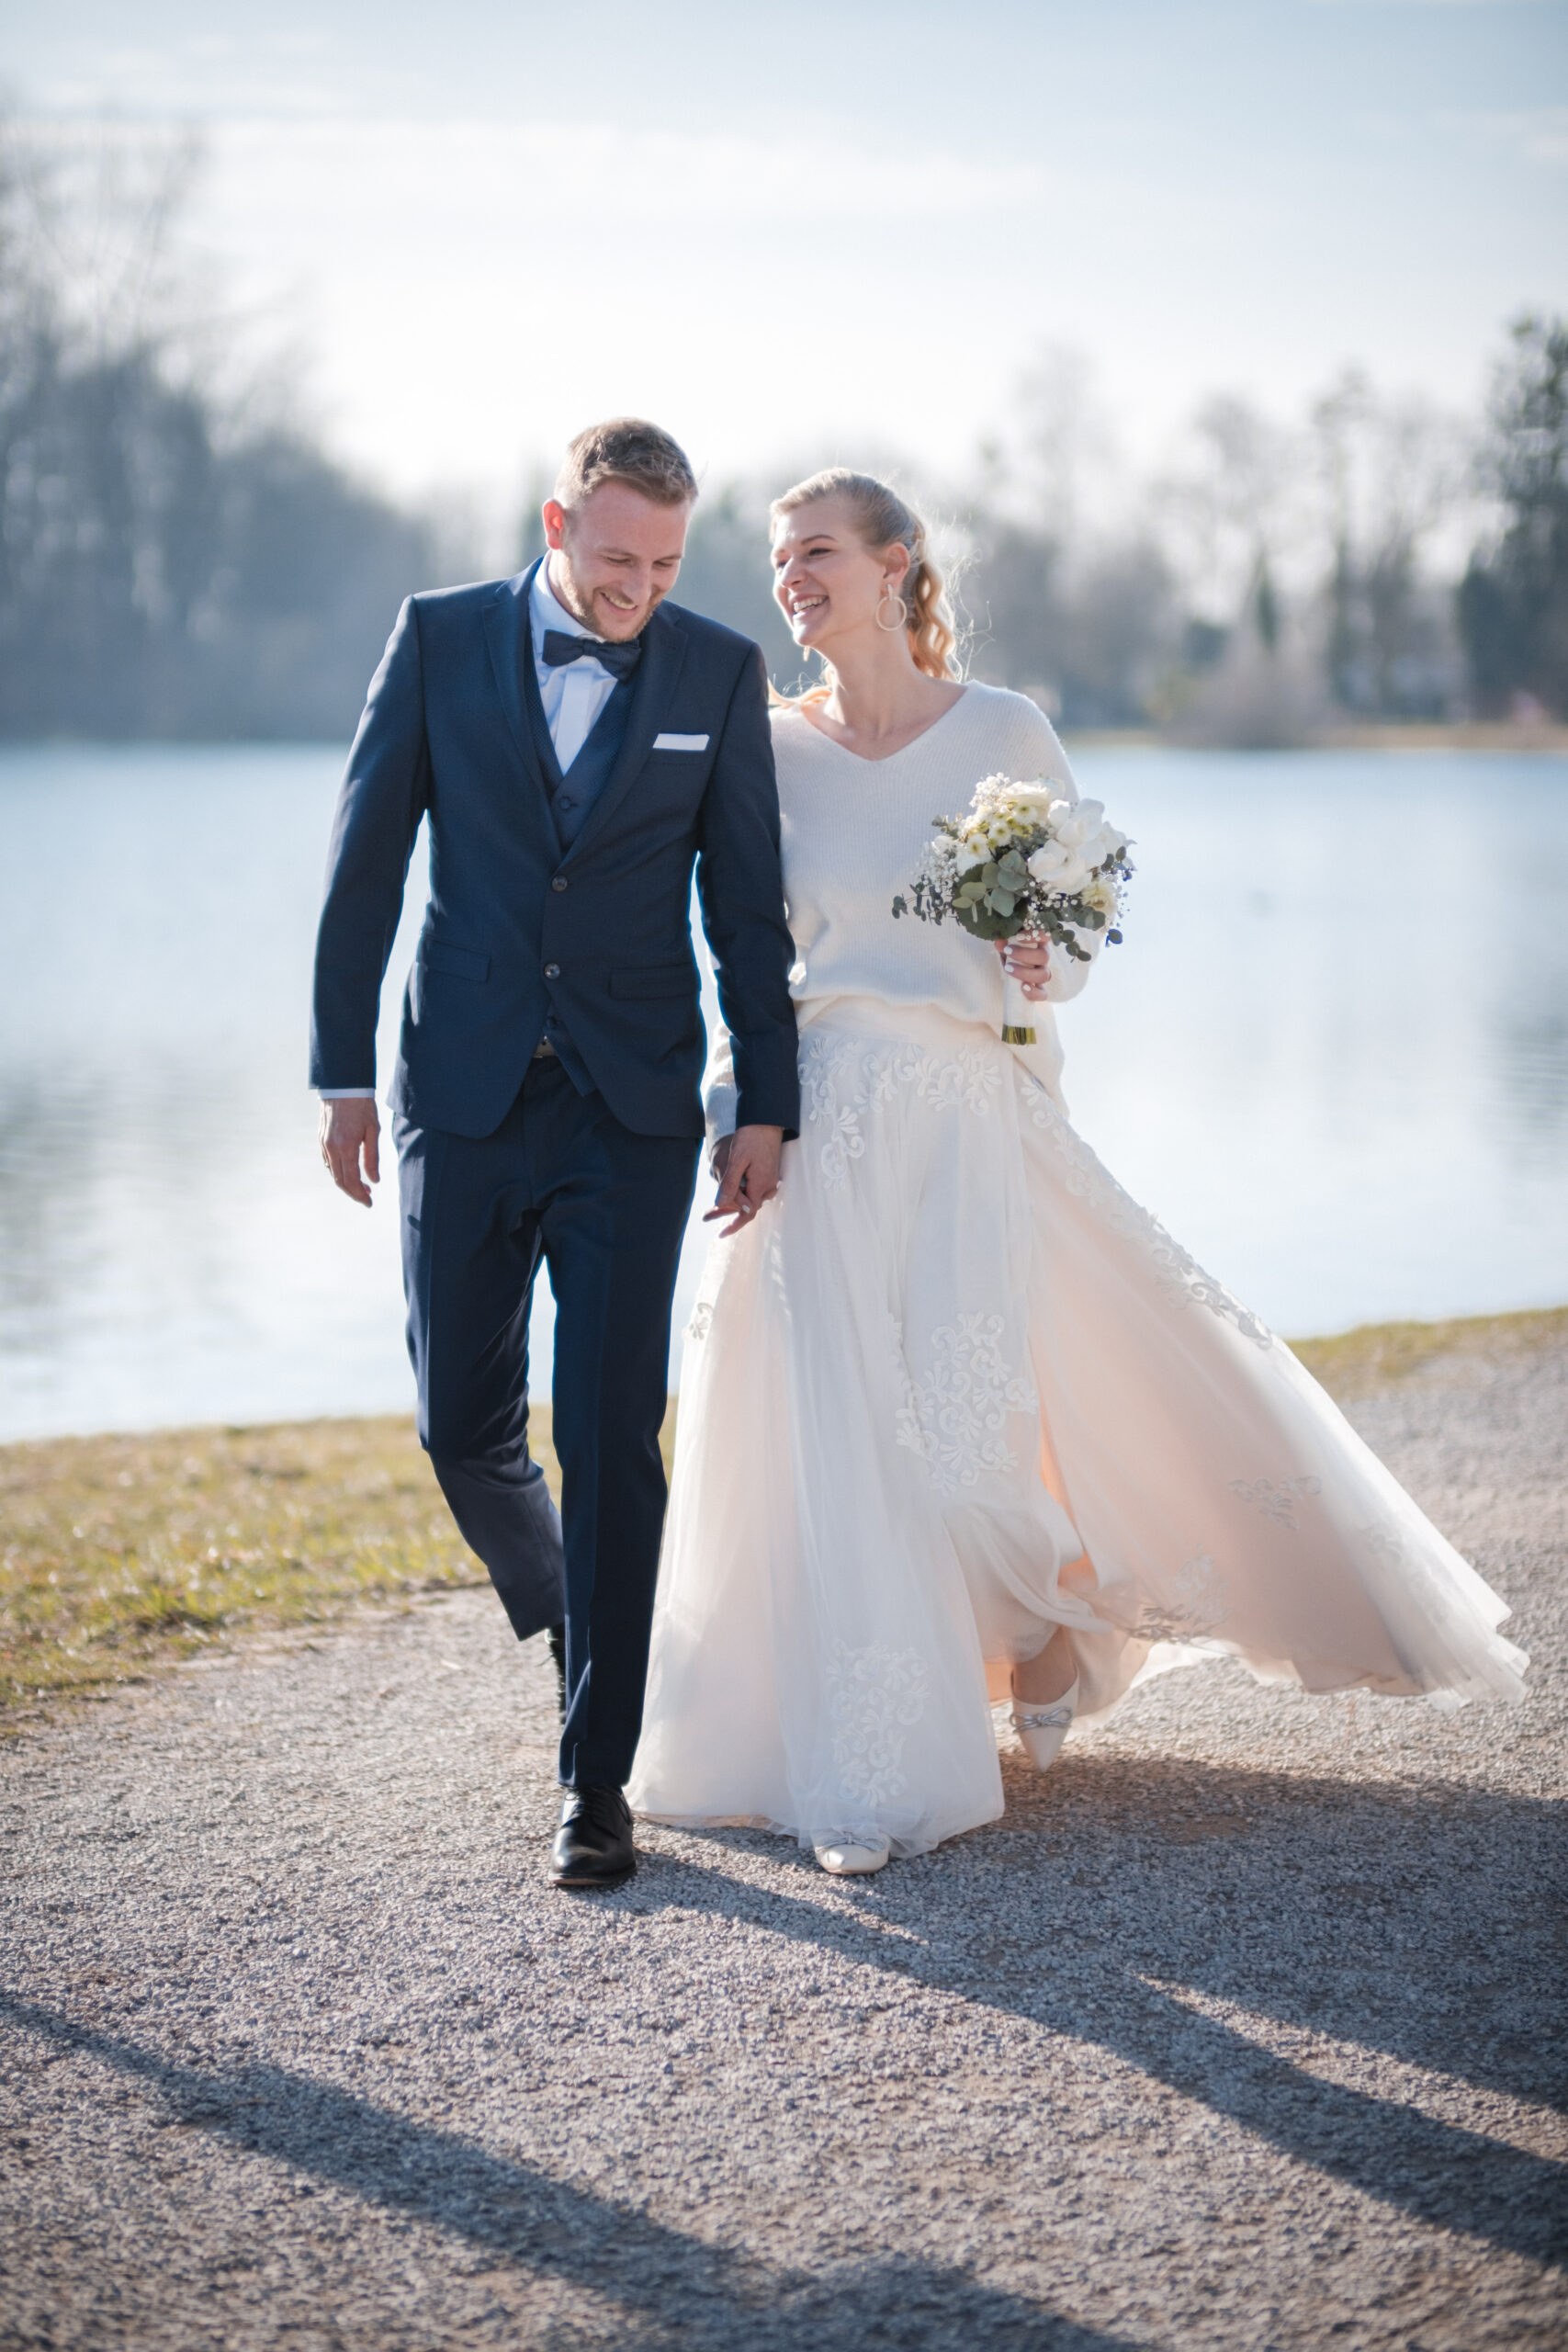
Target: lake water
<point x="1333" y="1057"/>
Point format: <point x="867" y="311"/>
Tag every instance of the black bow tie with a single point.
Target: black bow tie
<point x="619" y="659"/>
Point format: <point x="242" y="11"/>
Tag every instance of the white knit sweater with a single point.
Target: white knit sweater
<point x="852" y="833"/>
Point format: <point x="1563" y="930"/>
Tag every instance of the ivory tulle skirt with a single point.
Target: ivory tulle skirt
<point x="953" y="1390"/>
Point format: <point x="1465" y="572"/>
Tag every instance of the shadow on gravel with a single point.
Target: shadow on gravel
<point x="674" y="2289"/>
<point x="1418" y="1921"/>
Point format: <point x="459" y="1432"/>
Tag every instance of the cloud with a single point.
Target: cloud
<point x="624" y="178"/>
<point x="1538" y="133"/>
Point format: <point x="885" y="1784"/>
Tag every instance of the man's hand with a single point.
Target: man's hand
<point x="351" y="1139"/>
<point x="747" y="1164"/>
<point x="1028" y="957"/>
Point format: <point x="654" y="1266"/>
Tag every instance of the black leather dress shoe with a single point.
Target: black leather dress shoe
<point x="593" y="1844"/>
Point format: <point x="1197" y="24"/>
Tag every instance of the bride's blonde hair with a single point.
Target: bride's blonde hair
<point x="882" y="519"/>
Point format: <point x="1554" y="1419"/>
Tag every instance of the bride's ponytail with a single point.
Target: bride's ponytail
<point x="933" y="640"/>
<point x="884" y="520"/>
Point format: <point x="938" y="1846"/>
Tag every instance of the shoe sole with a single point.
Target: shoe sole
<point x="598" y="1878"/>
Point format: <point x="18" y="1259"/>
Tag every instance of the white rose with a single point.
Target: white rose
<point x="1107" y="842"/>
<point x="1080" y="824"/>
<point x="1102" y="845"/>
<point x="1057" y="867"/>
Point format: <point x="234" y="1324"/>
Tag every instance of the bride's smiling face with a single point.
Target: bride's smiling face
<point x="827" y="581"/>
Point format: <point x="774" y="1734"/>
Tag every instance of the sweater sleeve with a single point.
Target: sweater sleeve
<point x="721" y="1094"/>
<point x="1040" y="754"/>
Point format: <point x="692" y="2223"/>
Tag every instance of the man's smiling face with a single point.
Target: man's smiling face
<point x="615" y="557"/>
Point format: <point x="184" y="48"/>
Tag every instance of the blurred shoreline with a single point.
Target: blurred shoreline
<point x="1413" y="735"/>
<point x="1444" y="735"/>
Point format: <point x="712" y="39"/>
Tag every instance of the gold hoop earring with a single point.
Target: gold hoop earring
<point x="888" y="596"/>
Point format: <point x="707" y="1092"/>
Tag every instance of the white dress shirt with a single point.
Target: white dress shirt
<point x="573" y="697"/>
<point x="574" y="694"/>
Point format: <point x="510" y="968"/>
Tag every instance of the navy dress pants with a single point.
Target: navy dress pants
<point x="562" y="1180"/>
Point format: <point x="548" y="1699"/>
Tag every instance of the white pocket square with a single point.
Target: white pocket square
<point x="679" y="742"/>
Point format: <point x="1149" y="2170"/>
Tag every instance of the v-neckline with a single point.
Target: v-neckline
<point x="888" y="757"/>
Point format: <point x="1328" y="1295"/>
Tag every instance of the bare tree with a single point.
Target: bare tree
<point x="1514" y="598"/>
<point x="165" y="566"/>
<point x="1389" y="474"/>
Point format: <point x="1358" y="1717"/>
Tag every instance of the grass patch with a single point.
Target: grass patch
<point x="118" y="1553"/>
<point x="1377" y="1354"/>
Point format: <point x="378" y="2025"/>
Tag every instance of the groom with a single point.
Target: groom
<point x="577" y="746"/>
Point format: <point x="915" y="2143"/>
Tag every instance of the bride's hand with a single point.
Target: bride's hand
<point x="747" y="1166"/>
<point x="1028" y="958"/>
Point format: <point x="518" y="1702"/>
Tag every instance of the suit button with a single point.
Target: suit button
<point x="552" y="971"/>
<point x="559" y="883"/>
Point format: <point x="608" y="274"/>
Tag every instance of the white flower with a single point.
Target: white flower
<point x="1078" y="825"/>
<point x="975" y="850"/>
<point x="1039" y="799"/>
<point x="1059" y="868"/>
<point x="1106" y="844"/>
<point x="1100" y="892"/>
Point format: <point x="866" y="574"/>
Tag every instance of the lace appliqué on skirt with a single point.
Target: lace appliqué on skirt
<point x="842" y="1079"/>
<point x="1195" y="1606"/>
<point x="956" y="1417"/>
<point x="1276" y="1498"/>
<point x="874" y="1694"/>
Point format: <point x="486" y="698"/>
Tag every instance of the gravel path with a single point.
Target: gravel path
<point x="1236" y="2032"/>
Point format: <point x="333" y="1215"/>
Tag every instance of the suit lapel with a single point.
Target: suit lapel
<point x="536" y="725"/>
<point x="664" y="651"/>
<point x="506" y="640"/>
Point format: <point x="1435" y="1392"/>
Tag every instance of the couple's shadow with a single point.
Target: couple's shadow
<point x="1187" y="1915"/>
<point x="1118" y="1904"/>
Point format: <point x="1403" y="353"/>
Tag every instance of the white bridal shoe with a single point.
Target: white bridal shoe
<point x="1043" y="1724"/>
<point x="847" y="1860"/>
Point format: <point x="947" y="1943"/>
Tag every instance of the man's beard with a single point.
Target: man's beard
<point x="565" y="591"/>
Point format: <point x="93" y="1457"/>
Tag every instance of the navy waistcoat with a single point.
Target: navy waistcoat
<point x="573" y="794"/>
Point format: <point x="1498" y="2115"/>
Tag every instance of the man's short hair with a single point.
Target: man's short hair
<point x="626" y="449"/>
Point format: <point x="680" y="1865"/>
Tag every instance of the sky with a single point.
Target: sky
<point x="811" y="235"/>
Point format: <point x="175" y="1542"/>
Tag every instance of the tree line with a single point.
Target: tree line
<point x="179" y="556"/>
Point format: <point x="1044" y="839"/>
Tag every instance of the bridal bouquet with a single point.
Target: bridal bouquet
<point x="1023" y="858"/>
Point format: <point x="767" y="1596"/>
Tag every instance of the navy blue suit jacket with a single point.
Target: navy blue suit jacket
<point x="601" y="931"/>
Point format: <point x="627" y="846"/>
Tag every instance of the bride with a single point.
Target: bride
<point x="959" y="1420"/>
